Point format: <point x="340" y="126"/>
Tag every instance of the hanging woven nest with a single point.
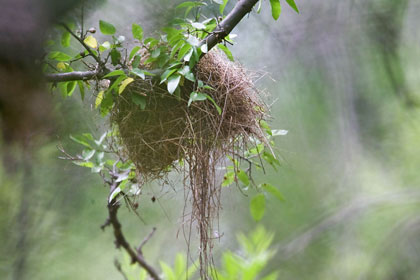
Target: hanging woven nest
<point x="167" y="129"/>
<point x="158" y="129"/>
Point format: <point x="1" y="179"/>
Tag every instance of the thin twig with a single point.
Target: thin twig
<point x="82" y="43"/>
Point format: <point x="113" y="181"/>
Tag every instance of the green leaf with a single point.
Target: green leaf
<point x="268" y="157"/>
<point x="124" y="84"/>
<point x="138" y="72"/>
<point x="198" y="25"/>
<point x="81" y="89"/>
<point x="223" y="6"/>
<point x="88" y="154"/>
<point x="136" y="61"/>
<point x="137" y="31"/>
<point x="106" y="28"/>
<point x="243" y="177"/>
<point x="228" y="179"/>
<point x="156" y="53"/>
<point x="87" y="164"/>
<point x="115" y="57"/>
<point x="226" y="51"/>
<point x="65" y="39"/>
<point x="173" y="82"/>
<point x="91" y="42"/>
<point x="184" y="50"/>
<point x="105" y="45"/>
<point x="114" y="73"/>
<point x="59" y="56"/>
<point x="219" y="110"/>
<point x="114" y="194"/>
<point x="139" y="100"/>
<point x="257" y="207"/>
<point x="81" y="139"/>
<point x="71" y="86"/>
<point x="133" y="52"/>
<point x="265" y="126"/>
<point x="99" y="98"/>
<point x="275" y="9"/>
<point x="293" y="5"/>
<point x="186" y="72"/>
<point x="166" y="75"/>
<point x="196" y="96"/>
<point x="273" y="191"/>
<point x="189" y="4"/>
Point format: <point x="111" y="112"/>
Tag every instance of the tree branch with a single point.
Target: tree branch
<point x="120" y="240"/>
<point x="72" y="76"/>
<point x="82" y="43"/>
<point x="241" y="9"/>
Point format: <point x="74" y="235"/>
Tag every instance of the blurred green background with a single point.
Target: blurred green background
<point x="343" y="78"/>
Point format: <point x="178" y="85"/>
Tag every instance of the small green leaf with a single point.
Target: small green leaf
<point x="91" y="42"/>
<point x="59" y="56"/>
<point x="114" y="73"/>
<point x="133" y="52"/>
<point x="99" y="99"/>
<point x="198" y="25"/>
<point x="223" y="6"/>
<point x="186" y="72"/>
<point x="81" y="89"/>
<point x="293" y="5"/>
<point x="257" y="207"/>
<point x="173" y="82"/>
<point x="81" y="139"/>
<point x="138" y="72"/>
<point x="166" y="75"/>
<point x="139" y="100"/>
<point x="114" y="194"/>
<point x="137" y="31"/>
<point x="106" y="28"/>
<point x="196" y="96"/>
<point x="184" y="50"/>
<point x="65" y="39"/>
<point x="228" y="179"/>
<point x="136" y="61"/>
<point x="226" y="51"/>
<point x="219" y="110"/>
<point x="71" y="86"/>
<point x="275" y="9"/>
<point x="243" y="177"/>
<point x="156" y="53"/>
<point x="115" y="57"/>
<point x="88" y="154"/>
<point x="124" y="84"/>
<point x="272" y="190"/>
<point x="105" y="45"/>
<point x="87" y="164"/>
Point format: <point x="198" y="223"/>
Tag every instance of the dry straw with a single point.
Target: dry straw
<point x="167" y="130"/>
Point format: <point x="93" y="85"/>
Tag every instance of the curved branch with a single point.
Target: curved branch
<point x="72" y="76"/>
<point x="98" y="60"/>
<point x="241" y="9"/>
<point x="120" y="240"/>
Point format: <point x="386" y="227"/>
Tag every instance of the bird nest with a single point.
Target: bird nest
<point x="168" y="129"/>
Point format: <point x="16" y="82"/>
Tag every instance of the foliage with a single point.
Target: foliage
<point x="170" y="59"/>
<point x="247" y="263"/>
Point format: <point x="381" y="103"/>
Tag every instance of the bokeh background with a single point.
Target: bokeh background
<point x="343" y="78"/>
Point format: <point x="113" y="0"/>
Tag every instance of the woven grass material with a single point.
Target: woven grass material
<point x="168" y="130"/>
